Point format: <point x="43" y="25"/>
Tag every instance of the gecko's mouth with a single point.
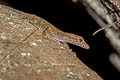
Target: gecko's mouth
<point x="87" y="47"/>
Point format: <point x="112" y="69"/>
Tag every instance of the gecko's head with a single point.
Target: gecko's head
<point x="82" y="43"/>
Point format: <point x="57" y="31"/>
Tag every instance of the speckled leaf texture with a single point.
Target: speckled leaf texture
<point x="26" y="54"/>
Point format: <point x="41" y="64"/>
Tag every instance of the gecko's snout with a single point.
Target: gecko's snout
<point x="85" y="45"/>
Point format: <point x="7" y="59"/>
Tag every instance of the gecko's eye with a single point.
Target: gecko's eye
<point x="79" y="40"/>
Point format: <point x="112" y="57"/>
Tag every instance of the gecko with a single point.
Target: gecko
<point x="52" y="30"/>
<point x="66" y="37"/>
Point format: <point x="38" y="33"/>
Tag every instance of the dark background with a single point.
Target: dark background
<point x="72" y="17"/>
